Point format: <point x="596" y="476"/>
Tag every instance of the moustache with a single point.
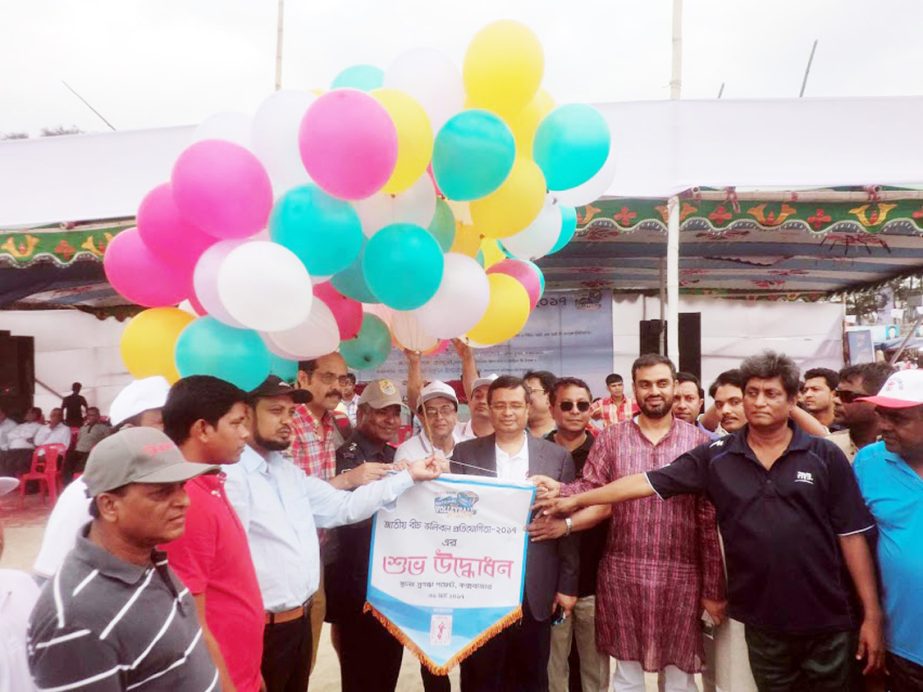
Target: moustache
<point x="335" y="392"/>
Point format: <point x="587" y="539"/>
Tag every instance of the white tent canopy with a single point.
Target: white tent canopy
<point x="662" y="148"/>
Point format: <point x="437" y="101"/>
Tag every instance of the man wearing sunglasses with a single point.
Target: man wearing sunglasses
<point x="858" y="418"/>
<point x="575" y="662"/>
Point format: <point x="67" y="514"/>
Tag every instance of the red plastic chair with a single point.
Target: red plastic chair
<point x="45" y="469"/>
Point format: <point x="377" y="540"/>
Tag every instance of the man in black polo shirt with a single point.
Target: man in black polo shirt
<point x="791" y="514"/>
<point x="115" y="617"/>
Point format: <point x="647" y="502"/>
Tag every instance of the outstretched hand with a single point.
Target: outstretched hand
<point x="546" y="487"/>
<point x="424" y="469"/>
<point x="558" y="507"/>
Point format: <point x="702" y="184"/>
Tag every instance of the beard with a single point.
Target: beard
<point x="656" y="411"/>
<point x="270" y="445"/>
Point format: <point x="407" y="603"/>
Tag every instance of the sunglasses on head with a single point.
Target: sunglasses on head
<point x="582" y="406"/>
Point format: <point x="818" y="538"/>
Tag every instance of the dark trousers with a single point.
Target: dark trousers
<point x="904" y="675"/>
<point x="434" y="683"/>
<point x="74" y="462"/>
<point x="370" y="657"/>
<point x="516" y="660"/>
<point x="789" y="663"/>
<point x="287" y="655"/>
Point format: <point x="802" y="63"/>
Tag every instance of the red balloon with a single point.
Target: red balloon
<point x="346" y="311"/>
<point x="524" y="273"/>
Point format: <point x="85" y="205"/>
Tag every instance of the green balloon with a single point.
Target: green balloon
<point x="351" y="282"/>
<point x="442" y="226"/>
<point x="403" y="264"/>
<point x="371" y="346"/>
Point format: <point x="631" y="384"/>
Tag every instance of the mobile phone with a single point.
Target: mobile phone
<point x="558" y="616"/>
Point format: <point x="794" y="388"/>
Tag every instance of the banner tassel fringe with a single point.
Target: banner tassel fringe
<point x="511" y="618"/>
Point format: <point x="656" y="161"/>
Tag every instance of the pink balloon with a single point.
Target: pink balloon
<point x="441" y="348"/>
<point x="524" y="274"/>
<point x="196" y="305"/>
<point x="348" y="144"/>
<point x="143" y="277"/>
<point x="346" y="311"/>
<point x="222" y="188"/>
<point x="164" y="230"/>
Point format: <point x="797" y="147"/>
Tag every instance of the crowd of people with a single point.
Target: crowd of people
<point x="771" y="539"/>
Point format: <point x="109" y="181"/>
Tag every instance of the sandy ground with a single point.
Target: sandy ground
<point x="22" y="544"/>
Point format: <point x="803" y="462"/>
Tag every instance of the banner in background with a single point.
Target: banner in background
<point x="447" y="565"/>
<point x="568" y="333"/>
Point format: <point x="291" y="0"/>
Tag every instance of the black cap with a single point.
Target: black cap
<point x="276" y="386"/>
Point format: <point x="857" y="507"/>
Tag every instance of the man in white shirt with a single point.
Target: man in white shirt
<point x="349" y="404"/>
<point x="480" y="424"/>
<point x="18" y="594"/>
<point x="281" y="509"/>
<point x="21" y="441"/>
<point x="54" y="432"/>
<point x="6" y="424"/>
<point x="137" y="405"/>
<point x="438" y="411"/>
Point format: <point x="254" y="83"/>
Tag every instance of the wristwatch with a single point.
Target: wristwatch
<point x="569" y="523"/>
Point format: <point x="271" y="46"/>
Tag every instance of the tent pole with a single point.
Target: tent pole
<point x="662" y="338"/>
<point x="279" y="33"/>
<point x="676" y="79"/>
<point x="673" y="279"/>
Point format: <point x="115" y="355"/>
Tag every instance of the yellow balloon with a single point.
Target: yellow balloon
<point x="414" y="138"/>
<point x="514" y="205"/>
<point x="148" y="342"/>
<point x="503" y="67"/>
<point x="492" y="253"/>
<point x="467" y="240"/>
<point x="507" y="312"/>
<point x="526" y="122"/>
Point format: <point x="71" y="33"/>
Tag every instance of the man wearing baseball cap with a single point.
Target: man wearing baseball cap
<point x="890" y="475"/>
<point x="138" y="405"/>
<point x="480" y="424"/>
<point x="115" y="616"/>
<point x="438" y="412"/>
<point x="281" y="507"/>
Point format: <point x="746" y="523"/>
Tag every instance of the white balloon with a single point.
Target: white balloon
<point x="229" y="126"/>
<point x="460" y="302"/>
<point x="381" y="311"/>
<point x="275" y="138"/>
<point x="592" y="189"/>
<point x="265" y="286"/>
<point x="273" y="348"/>
<point x="408" y="333"/>
<point x="432" y="79"/>
<point x="416" y="204"/>
<point x="539" y="236"/>
<point x="315" y="336"/>
<point x="205" y="280"/>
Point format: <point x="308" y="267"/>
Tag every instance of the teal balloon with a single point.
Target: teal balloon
<point x="442" y="227"/>
<point x="361" y="77"/>
<point x="571" y="145"/>
<point x="209" y="347"/>
<point x="479" y="258"/>
<point x="403" y="264"/>
<point x="323" y="231"/>
<point x="351" y="282"/>
<point x="280" y="367"/>
<point x="568" y="228"/>
<point x="472" y="155"/>
<point x="371" y="346"/>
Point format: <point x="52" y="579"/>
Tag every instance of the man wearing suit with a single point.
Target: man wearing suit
<point x="517" y="658"/>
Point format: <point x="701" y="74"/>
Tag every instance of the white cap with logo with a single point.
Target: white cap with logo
<point x="483" y="382"/>
<point x="904" y="389"/>
<point x="137" y="397"/>
<point x="436" y="389"/>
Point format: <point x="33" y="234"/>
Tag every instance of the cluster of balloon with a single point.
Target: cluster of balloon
<point x="402" y="206"/>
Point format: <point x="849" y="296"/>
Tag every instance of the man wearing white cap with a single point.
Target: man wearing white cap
<point x="438" y="411"/>
<point x="137" y="405"/>
<point x="479" y="425"/>
<point x="890" y="475"/>
<point x="18" y="594"/>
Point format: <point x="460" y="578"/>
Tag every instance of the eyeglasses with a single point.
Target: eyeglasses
<point x="444" y="411"/>
<point x="331" y="377"/>
<point x="537" y="390"/>
<point x="582" y="406"/>
<point x="515" y="407"/>
<point x="848" y="396"/>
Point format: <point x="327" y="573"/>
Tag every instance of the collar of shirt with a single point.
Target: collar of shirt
<point x="210" y="482"/>
<point x="513" y="466"/>
<point x="369" y="447"/>
<point x="737" y="442"/>
<point x="313" y="423"/>
<point x="108" y="564"/>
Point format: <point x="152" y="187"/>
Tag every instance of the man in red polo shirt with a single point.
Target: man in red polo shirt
<point x="207" y="419"/>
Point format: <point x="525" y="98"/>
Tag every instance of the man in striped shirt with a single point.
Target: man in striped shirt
<point x="115" y="617"/>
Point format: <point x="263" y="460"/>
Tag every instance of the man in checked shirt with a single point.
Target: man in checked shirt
<point x="317" y="435"/>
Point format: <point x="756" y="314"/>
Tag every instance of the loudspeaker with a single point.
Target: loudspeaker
<point x="17" y="373"/>
<point x="690" y="341"/>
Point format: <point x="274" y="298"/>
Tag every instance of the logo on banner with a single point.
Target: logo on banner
<point x="440" y="630"/>
<point x="459" y="504"/>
